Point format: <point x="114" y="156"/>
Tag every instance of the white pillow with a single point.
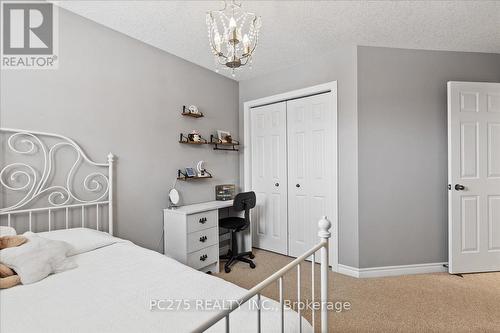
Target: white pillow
<point x="37" y="258"/>
<point x="7" y="231"/>
<point x="81" y="239"/>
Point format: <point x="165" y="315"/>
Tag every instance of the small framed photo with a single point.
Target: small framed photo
<point x="224" y="136"/>
<point x="190" y="172"/>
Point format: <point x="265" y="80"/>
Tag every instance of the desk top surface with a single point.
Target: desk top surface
<point x="200" y="207"/>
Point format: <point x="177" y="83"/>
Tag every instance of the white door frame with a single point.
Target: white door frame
<point x="247" y="156"/>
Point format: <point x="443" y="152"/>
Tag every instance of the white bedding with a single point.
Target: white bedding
<point x="111" y="290"/>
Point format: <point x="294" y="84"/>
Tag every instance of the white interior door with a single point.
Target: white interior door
<point x="311" y="170"/>
<point x="474" y="176"/>
<point x="268" y="145"/>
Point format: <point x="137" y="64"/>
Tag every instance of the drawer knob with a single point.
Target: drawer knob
<point x="203" y="257"/>
<point x="203" y="220"/>
<point x="203" y="239"/>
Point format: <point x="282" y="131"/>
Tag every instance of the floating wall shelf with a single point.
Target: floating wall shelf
<point x="185" y="112"/>
<point x="194" y="115"/>
<point x="184" y="139"/>
<point x="183" y="176"/>
<point x="217" y="143"/>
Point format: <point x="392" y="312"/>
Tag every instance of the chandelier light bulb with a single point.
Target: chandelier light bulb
<point x="232" y="23"/>
<point x="217" y="42"/>
<point x="246" y="44"/>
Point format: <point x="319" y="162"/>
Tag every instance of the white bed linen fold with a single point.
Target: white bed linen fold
<point x="37" y="258"/>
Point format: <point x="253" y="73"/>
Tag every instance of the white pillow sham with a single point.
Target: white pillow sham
<point x="81" y="239"/>
<point x="7" y="231"/>
<point x="37" y="258"/>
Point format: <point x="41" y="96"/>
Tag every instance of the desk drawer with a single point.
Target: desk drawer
<point x="200" y="221"/>
<point x="203" y="257"/>
<point x="203" y="238"/>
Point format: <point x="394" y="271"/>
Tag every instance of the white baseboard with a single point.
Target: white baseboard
<point x="348" y="270"/>
<point x="392" y="270"/>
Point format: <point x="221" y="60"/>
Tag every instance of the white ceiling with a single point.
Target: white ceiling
<point x="295" y="30"/>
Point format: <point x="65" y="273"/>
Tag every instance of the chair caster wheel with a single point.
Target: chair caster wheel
<point x="252" y="265"/>
<point x="251" y="256"/>
<point x="227" y="269"/>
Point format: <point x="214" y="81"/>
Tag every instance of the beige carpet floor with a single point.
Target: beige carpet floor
<point x="415" y="303"/>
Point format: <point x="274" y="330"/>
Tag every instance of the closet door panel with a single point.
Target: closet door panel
<point x="309" y="182"/>
<point x="269" y="217"/>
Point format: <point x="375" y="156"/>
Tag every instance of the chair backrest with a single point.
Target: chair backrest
<point x="244" y="201"/>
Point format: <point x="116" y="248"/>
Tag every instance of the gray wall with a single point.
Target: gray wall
<point x="403" y="150"/>
<point x="114" y="93"/>
<point x="392" y="123"/>
<point x="341" y="66"/>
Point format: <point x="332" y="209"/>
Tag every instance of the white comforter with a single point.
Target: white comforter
<point x="111" y="291"/>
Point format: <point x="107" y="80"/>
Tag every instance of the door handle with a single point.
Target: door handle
<point x="277" y="184"/>
<point x="459" y="187"/>
<point x="297" y="185"/>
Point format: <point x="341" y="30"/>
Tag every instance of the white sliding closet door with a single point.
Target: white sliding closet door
<point x="269" y="179"/>
<point x="310" y="169"/>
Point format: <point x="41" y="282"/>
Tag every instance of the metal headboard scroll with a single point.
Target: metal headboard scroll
<point x="32" y="184"/>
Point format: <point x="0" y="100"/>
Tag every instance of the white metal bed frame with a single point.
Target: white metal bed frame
<point x="36" y="184"/>
<point x="22" y="177"/>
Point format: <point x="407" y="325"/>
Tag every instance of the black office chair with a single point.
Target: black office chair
<point x="242" y="201"/>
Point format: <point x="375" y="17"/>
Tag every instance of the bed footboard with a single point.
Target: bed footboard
<point x="324" y="233"/>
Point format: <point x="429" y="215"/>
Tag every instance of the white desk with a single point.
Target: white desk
<point x="201" y="207"/>
<point x="192" y="234"/>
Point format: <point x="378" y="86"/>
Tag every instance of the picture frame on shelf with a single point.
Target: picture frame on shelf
<point x="190" y="172"/>
<point x="224" y="136"/>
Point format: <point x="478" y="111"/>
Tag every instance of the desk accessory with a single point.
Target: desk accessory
<point x="173" y="198"/>
<point x="225" y="192"/>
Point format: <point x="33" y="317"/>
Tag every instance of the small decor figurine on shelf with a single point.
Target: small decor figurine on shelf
<point x="224" y="136"/>
<point x="194" y="136"/>
<point x="202" y="172"/>
<point x="191" y="111"/>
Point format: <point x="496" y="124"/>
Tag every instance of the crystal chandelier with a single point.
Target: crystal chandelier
<point x="233" y="35"/>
